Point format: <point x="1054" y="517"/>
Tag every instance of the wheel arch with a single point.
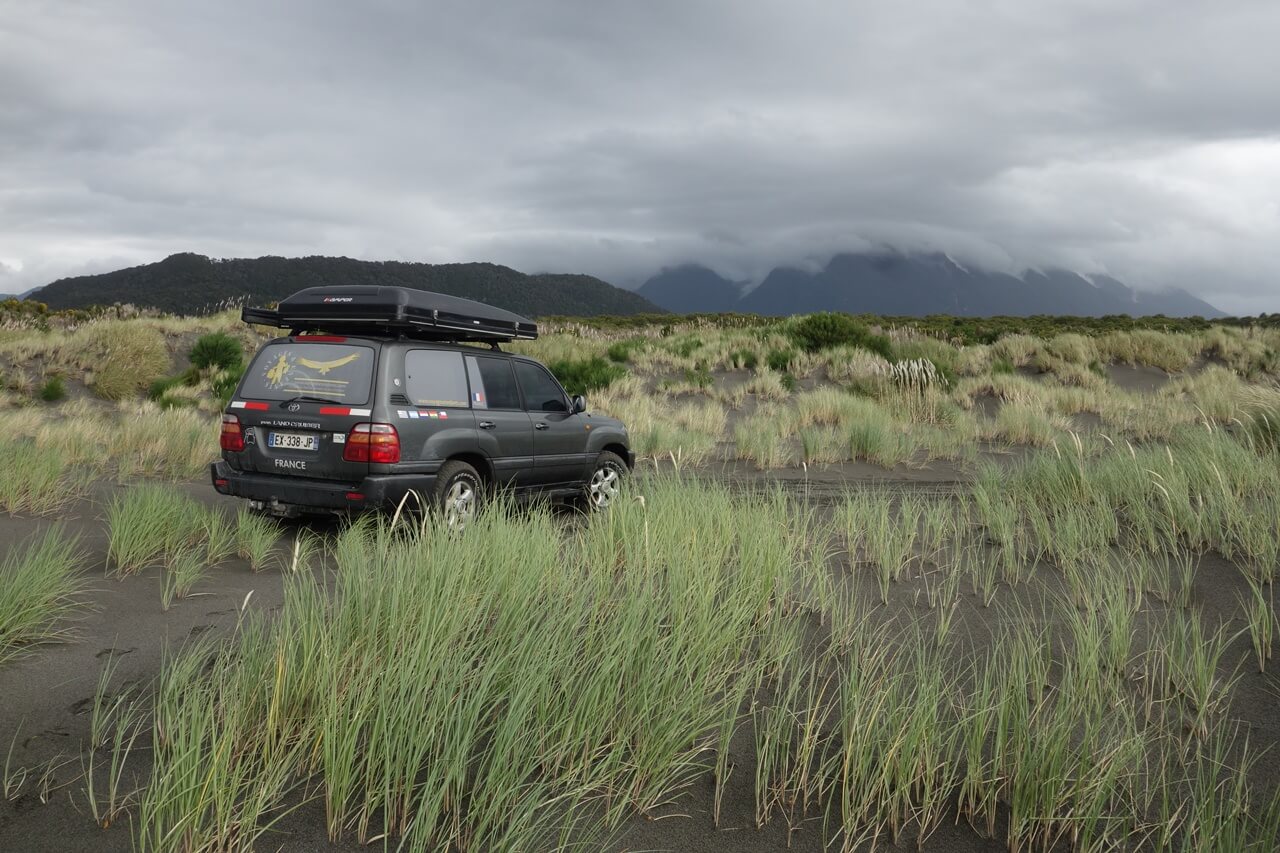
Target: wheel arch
<point x="620" y="450"/>
<point x="478" y="461"/>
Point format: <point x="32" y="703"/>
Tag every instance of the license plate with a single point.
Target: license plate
<point x="292" y="440"/>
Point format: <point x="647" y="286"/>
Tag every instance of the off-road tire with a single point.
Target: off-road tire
<point x="604" y="486"/>
<point x="457" y="493"/>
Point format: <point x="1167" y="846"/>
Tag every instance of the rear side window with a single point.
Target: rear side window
<point x="339" y="372"/>
<point x="435" y="378"/>
<point x="541" y="392"/>
<point x="492" y="384"/>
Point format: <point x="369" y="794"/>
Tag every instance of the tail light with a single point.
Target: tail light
<point x="378" y="443"/>
<point x="232" y="437"/>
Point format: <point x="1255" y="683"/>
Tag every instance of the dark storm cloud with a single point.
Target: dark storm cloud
<point x="1138" y="138"/>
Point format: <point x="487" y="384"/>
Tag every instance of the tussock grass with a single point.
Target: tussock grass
<point x="40" y="587"/>
<point x="121" y="358"/>
<point x="149" y="524"/>
<point x="37" y="480"/>
<point x="255" y="538"/>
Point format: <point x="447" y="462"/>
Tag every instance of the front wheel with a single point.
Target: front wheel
<point x="457" y="494"/>
<point x="605" y="485"/>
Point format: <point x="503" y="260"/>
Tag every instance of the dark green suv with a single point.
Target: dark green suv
<point x="381" y="391"/>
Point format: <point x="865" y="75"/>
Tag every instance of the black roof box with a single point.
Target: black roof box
<point x="369" y="309"/>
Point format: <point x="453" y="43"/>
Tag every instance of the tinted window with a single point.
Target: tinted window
<point x="435" y="378"/>
<point x="541" y="392"/>
<point x="492" y="384"/>
<point x="339" y="372"/>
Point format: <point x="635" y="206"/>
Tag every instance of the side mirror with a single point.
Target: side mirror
<point x="578" y="405"/>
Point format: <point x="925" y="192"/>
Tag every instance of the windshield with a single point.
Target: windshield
<point x="339" y="372"/>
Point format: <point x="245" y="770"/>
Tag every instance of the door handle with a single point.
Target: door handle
<point x="540" y="425"/>
<point x="487" y="425"/>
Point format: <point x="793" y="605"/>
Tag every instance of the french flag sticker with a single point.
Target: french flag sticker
<point x="478" y="397"/>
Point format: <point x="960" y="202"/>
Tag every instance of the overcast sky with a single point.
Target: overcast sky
<point x="1136" y="138"/>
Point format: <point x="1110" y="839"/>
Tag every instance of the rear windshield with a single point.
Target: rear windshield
<point x="338" y="372"/>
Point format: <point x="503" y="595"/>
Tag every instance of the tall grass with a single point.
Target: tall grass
<point x="40" y="586"/>
<point x="148" y="523"/>
<point x="37" y="480"/>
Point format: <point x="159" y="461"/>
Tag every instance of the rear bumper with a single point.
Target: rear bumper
<point x="373" y="492"/>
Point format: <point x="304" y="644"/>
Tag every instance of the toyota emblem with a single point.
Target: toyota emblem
<point x="293" y="407"/>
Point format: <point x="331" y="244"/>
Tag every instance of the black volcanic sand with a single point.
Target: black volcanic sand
<point x="46" y="698"/>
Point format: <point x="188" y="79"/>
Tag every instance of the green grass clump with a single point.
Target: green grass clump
<point x="818" y="332"/>
<point x="53" y="390"/>
<point x="36" y="479"/>
<point x="584" y="375"/>
<point x="779" y="360"/>
<point x="39" y="586"/>
<point x="217" y="350"/>
<point x="621" y="351"/>
<point x="149" y="523"/>
<point x="255" y="538"/>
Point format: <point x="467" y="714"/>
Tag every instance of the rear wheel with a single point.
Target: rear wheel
<point x="457" y="494"/>
<point x="605" y="485"/>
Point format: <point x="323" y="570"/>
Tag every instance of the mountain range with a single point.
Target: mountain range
<point x="900" y="284"/>
<point x="886" y="282"/>
<point x="187" y="283"/>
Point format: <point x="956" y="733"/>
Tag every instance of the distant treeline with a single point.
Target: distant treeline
<point x="967" y="330"/>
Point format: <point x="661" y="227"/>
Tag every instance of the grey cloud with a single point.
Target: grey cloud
<point x="1138" y="138"/>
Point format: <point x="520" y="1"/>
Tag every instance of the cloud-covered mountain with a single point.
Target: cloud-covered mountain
<point x="189" y="283"/>
<point x="895" y="283"/>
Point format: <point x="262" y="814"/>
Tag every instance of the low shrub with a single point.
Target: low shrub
<point x="583" y="375"/>
<point x="744" y="358"/>
<point x="161" y="386"/>
<point x="779" y="360"/>
<point x="217" y="350"/>
<point x="818" y="332"/>
<point x="621" y="351"/>
<point x="53" y="390"/>
<point x="698" y="376"/>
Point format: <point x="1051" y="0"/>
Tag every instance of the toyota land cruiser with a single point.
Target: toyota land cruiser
<point x="379" y="391"/>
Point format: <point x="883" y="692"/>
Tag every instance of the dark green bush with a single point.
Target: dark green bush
<point x="583" y="375"/>
<point x="217" y="350"/>
<point x="161" y="386"/>
<point x="622" y="350"/>
<point x="745" y="357"/>
<point x="698" y="376"/>
<point x="224" y="385"/>
<point x="1002" y="365"/>
<point x="53" y="390"/>
<point x="779" y="359"/>
<point x="829" y="329"/>
<point x="685" y="348"/>
<point x="789" y="382"/>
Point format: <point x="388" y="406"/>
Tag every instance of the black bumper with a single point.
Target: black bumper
<point x="373" y="492"/>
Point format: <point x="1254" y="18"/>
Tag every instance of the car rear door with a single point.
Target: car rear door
<point x="432" y="413"/>
<point x="559" y="437"/>
<point x="298" y="401"/>
<point x="504" y="430"/>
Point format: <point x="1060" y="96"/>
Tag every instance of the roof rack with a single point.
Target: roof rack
<point x="392" y="311"/>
